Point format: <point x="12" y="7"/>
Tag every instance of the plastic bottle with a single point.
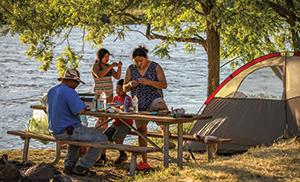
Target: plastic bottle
<point x="92" y="105"/>
<point x="103" y="96"/>
<point x="102" y="101"/>
<point x="135" y="104"/>
<point x="126" y="104"/>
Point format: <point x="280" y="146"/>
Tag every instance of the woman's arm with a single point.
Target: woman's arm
<point x="127" y="79"/>
<point x="128" y="83"/>
<point x="160" y="84"/>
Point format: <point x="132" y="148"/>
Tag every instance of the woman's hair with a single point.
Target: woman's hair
<point x="140" y="51"/>
<point x="101" y="53"/>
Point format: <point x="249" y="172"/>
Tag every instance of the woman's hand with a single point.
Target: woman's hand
<point x="120" y="64"/>
<point x="143" y="81"/>
<point x="114" y="64"/>
<point x="133" y="83"/>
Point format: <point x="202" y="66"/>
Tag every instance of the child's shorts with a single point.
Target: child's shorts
<point x="116" y="132"/>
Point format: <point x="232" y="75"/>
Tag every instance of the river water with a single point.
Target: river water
<point x="21" y="83"/>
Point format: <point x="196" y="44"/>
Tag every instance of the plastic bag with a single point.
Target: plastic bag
<point x="38" y="123"/>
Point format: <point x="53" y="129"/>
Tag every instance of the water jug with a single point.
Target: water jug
<point x="126" y="104"/>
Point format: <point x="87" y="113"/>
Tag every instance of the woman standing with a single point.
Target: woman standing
<point x="145" y="79"/>
<point x="103" y="72"/>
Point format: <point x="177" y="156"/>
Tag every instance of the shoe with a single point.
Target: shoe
<point x="83" y="171"/>
<point x="143" y="166"/>
<point x="172" y="145"/>
<point x="101" y="161"/>
<point x="122" y="158"/>
<point x="68" y="169"/>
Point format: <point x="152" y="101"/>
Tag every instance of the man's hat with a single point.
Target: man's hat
<point x="71" y="74"/>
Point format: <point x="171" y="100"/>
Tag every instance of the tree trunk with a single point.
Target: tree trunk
<point x="213" y="54"/>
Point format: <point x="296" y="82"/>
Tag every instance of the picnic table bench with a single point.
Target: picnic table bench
<point x="134" y="150"/>
<point x="211" y="142"/>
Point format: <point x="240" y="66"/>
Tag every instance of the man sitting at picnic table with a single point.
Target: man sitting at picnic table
<point x="64" y="108"/>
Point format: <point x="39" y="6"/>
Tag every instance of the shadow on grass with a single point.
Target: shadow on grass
<point x="104" y="174"/>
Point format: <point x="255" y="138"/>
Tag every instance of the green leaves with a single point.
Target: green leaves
<point x="162" y="50"/>
<point x="67" y="59"/>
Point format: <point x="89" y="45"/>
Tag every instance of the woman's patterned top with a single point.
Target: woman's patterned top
<point x="145" y="94"/>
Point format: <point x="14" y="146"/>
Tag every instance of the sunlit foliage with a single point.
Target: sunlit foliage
<point x="238" y="30"/>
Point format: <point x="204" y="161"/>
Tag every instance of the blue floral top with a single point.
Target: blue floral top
<point x="145" y="94"/>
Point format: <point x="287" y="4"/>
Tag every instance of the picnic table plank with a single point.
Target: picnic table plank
<point x="129" y="148"/>
<point x="138" y="116"/>
<point x="134" y="150"/>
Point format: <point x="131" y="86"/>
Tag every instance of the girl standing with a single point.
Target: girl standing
<point x="103" y="72"/>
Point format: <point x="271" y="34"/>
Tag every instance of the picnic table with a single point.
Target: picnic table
<point x="165" y="120"/>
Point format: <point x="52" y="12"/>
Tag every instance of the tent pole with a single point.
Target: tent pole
<point x="200" y="108"/>
<point x="284" y="94"/>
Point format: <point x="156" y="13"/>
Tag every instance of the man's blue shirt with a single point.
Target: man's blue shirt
<point x="64" y="105"/>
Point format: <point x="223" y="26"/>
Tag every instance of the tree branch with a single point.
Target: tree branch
<point x="190" y="5"/>
<point x="131" y="16"/>
<point x="5" y="9"/>
<point x="138" y="32"/>
<point x="150" y="35"/>
<point x="83" y="42"/>
<point x="66" y="37"/>
<point x="282" y="11"/>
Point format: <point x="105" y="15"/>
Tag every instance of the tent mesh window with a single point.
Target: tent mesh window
<point x="262" y="80"/>
<point x="263" y="83"/>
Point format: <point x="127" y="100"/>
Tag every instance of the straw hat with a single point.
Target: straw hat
<point x="71" y="74"/>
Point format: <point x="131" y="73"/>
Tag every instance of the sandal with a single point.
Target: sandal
<point x="83" y="171"/>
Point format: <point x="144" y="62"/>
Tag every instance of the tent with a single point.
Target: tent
<point x="257" y="104"/>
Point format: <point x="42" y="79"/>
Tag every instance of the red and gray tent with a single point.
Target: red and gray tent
<point x="257" y="104"/>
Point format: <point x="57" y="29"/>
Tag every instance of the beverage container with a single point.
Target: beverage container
<point x="92" y="105"/>
<point x="126" y="104"/>
<point x="135" y="104"/>
<point x="102" y="102"/>
<point x="103" y="96"/>
<point x="84" y="120"/>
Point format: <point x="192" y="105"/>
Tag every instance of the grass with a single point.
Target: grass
<point x="280" y="162"/>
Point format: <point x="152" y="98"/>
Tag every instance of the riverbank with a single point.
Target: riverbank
<point x="280" y="162"/>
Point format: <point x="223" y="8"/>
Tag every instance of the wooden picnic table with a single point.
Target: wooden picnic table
<point x="166" y="121"/>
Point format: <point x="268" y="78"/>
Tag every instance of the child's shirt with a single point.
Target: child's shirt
<point x="120" y="101"/>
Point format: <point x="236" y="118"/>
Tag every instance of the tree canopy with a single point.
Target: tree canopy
<point x="227" y="29"/>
